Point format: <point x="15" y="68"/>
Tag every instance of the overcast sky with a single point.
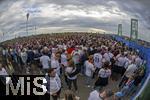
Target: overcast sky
<point x="73" y="15"/>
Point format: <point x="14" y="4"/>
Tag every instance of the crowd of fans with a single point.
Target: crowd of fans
<point x="98" y="57"/>
<point x="139" y="41"/>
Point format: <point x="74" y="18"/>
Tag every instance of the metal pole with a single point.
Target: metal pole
<point x="35" y="29"/>
<point x="27" y="28"/>
<point x="27" y="23"/>
<point x="3" y="36"/>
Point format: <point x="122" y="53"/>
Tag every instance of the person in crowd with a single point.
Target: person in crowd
<point x="128" y="73"/>
<point x="76" y="58"/>
<point x="84" y="57"/>
<point x="97" y="61"/>
<point x="53" y="84"/>
<point x="14" y="55"/>
<point x="126" y="88"/>
<point x="64" y="63"/>
<point x="120" y="63"/>
<point x="100" y="95"/>
<point x="55" y="63"/>
<point x="106" y="55"/>
<point x="3" y="74"/>
<point x="138" y="76"/>
<point x="103" y="75"/>
<point x="89" y="70"/>
<point x="64" y="59"/>
<point x="111" y="55"/>
<point x="69" y="70"/>
<point x="69" y="95"/>
<point x="30" y="54"/>
<point x="138" y="61"/>
<point x="90" y="54"/>
<point x="24" y="56"/>
<point x="45" y="62"/>
<point x="2" y="70"/>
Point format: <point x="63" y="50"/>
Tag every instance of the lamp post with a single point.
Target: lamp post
<point x="3" y="36"/>
<point x="27" y="23"/>
<point x="35" y="29"/>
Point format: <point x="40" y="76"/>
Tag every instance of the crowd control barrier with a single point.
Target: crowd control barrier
<point x="145" y="54"/>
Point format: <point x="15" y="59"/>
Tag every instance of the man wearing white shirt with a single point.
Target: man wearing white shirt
<point x="120" y="61"/>
<point x="64" y="61"/>
<point x="120" y="64"/>
<point x="138" y="61"/>
<point x="97" y="62"/>
<point x="128" y="62"/>
<point x="103" y="75"/>
<point x="53" y="84"/>
<point x="106" y="55"/>
<point x="76" y="59"/>
<point x="128" y="73"/>
<point x="110" y="55"/>
<point x="45" y="61"/>
<point x="69" y="70"/>
<point x="55" y="64"/>
<point x="89" y="69"/>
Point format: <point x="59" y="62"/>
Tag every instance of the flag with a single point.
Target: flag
<point x="27" y="16"/>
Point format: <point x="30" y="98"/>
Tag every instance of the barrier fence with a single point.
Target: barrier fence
<point x="144" y="53"/>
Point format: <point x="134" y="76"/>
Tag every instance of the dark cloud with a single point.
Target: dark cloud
<point x="117" y="11"/>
